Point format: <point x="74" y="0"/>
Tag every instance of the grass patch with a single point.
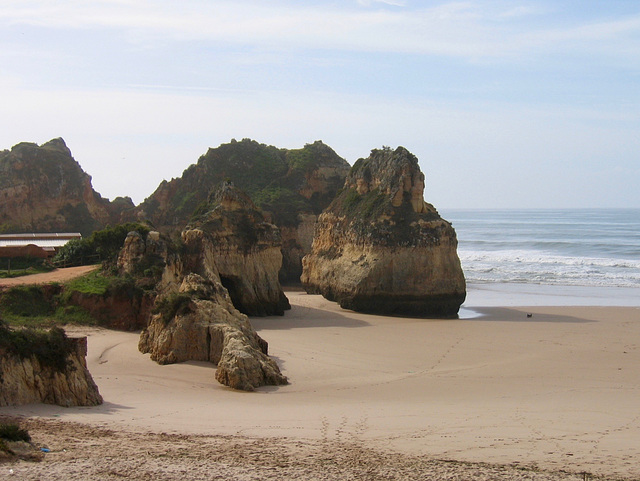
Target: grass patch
<point x="74" y="315"/>
<point x="93" y="283"/>
<point x="25" y="301"/>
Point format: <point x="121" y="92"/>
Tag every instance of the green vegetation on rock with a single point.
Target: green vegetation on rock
<point x="283" y="204"/>
<point x="273" y="178"/>
<point x="25" y="302"/>
<point x="50" y="347"/>
<point x="176" y="303"/>
<point x="362" y="208"/>
<point x="103" y="245"/>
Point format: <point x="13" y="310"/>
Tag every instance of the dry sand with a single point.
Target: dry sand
<point x="371" y="397"/>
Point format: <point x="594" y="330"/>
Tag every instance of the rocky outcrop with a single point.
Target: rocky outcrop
<point x="228" y="262"/>
<point x="380" y="248"/>
<point x="43" y="189"/>
<point x="288" y="185"/>
<point x="31" y="379"/>
<point x="199" y="322"/>
<point x="141" y="252"/>
<point x="232" y="243"/>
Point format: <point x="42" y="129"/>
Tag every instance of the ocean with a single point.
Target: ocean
<point x="586" y="249"/>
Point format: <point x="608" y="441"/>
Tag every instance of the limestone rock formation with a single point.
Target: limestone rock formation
<point x="28" y="379"/>
<point x="200" y="323"/>
<point x="228" y="262"/>
<point x="288" y="185"/>
<point x="43" y="189"/>
<point x="380" y="248"/>
<point x="138" y="249"/>
<point x="233" y="243"/>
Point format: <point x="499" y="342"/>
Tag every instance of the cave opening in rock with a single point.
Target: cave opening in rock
<point x="233" y="286"/>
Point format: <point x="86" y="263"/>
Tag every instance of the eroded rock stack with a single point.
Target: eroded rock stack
<point x="233" y="243"/>
<point x="291" y="186"/>
<point x="26" y="379"/>
<point x="199" y="323"/>
<point x="229" y="262"/>
<point x="380" y="248"/>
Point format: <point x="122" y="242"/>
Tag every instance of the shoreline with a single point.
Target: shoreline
<point x="548" y="295"/>
<point x="555" y="391"/>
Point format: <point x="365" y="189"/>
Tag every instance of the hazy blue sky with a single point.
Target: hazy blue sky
<point x="506" y="103"/>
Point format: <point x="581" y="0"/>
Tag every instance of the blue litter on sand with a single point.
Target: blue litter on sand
<point x="45" y="450"/>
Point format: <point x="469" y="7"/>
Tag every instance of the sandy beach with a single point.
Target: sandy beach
<point x="547" y="396"/>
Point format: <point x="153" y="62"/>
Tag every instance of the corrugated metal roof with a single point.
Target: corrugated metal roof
<point x="37" y="242"/>
<point x="49" y="240"/>
<point x="49" y="235"/>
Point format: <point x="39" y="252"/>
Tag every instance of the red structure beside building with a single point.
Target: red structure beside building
<point x="34" y="245"/>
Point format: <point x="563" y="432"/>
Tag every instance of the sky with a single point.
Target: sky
<point x="506" y="103"/>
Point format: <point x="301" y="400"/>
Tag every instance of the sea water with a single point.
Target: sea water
<point x="593" y="252"/>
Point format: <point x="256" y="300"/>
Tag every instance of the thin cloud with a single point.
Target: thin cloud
<point x="471" y="29"/>
<point x="394" y="3"/>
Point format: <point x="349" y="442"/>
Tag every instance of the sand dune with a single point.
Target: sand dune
<point x="555" y="391"/>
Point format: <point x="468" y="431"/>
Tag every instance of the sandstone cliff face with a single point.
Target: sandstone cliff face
<point x="288" y="185"/>
<point x="27" y="380"/>
<point x="379" y="247"/>
<point x="233" y="243"/>
<point x="43" y="189"/>
<point x="200" y="323"/>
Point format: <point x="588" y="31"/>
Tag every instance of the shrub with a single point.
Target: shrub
<point x="75" y="252"/>
<point x="104" y="244"/>
<point x="13" y="432"/>
<point x="283" y="204"/>
<point x="51" y="348"/>
<point x="176" y="303"/>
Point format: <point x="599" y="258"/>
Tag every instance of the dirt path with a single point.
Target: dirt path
<point x="58" y="275"/>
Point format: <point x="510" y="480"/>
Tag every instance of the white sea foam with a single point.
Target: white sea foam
<point x="587" y="247"/>
<point x="539" y="268"/>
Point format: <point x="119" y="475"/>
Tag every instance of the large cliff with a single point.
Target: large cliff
<point x="379" y="247"/>
<point x="291" y="186"/>
<point x="49" y="368"/>
<point x="43" y="189"/>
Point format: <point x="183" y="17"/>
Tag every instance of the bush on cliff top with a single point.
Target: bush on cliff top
<point x="104" y="245"/>
<point x="51" y="348"/>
